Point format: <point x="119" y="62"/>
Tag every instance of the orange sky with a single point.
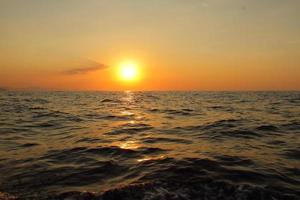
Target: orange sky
<point x="178" y="45"/>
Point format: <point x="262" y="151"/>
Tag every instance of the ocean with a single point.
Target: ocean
<point x="149" y="145"/>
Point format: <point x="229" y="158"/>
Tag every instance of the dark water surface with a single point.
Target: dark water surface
<point x="150" y="145"/>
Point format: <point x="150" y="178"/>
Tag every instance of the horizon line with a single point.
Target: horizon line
<point x="146" y="90"/>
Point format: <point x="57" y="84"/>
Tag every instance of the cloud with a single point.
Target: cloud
<point x="90" y="66"/>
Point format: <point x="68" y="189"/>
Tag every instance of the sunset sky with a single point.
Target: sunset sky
<point x="174" y="44"/>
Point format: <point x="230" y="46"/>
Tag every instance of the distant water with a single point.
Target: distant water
<point x="150" y="145"/>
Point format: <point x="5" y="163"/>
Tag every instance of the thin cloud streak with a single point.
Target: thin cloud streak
<point x="87" y="68"/>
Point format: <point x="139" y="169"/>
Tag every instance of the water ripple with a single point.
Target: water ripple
<point x="149" y="145"/>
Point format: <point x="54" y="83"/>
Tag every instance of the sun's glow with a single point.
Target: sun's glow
<point x="128" y="71"/>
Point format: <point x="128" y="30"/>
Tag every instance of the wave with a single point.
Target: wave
<point x="149" y="145"/>
<point x="267" y="128"/>
<point x="110" y="101"/>
<point x="292" y="154"/>
<point x="185" y="179"/>
<point x="168" y="140"/>
<point x="174" y="112"/>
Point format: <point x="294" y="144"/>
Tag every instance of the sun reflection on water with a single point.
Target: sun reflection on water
<point x="129" y="96"/>
<point x="129" y="145"/>
<point x="126" y="113"/>
<point x="150" y="158"/>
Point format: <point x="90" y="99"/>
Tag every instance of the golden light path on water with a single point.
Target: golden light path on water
<point x="133" y="144"/>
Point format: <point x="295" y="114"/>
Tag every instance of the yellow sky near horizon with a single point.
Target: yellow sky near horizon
<point x="177" y="45"/>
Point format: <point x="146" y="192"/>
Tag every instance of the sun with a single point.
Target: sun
<point x="128" y="71"/>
